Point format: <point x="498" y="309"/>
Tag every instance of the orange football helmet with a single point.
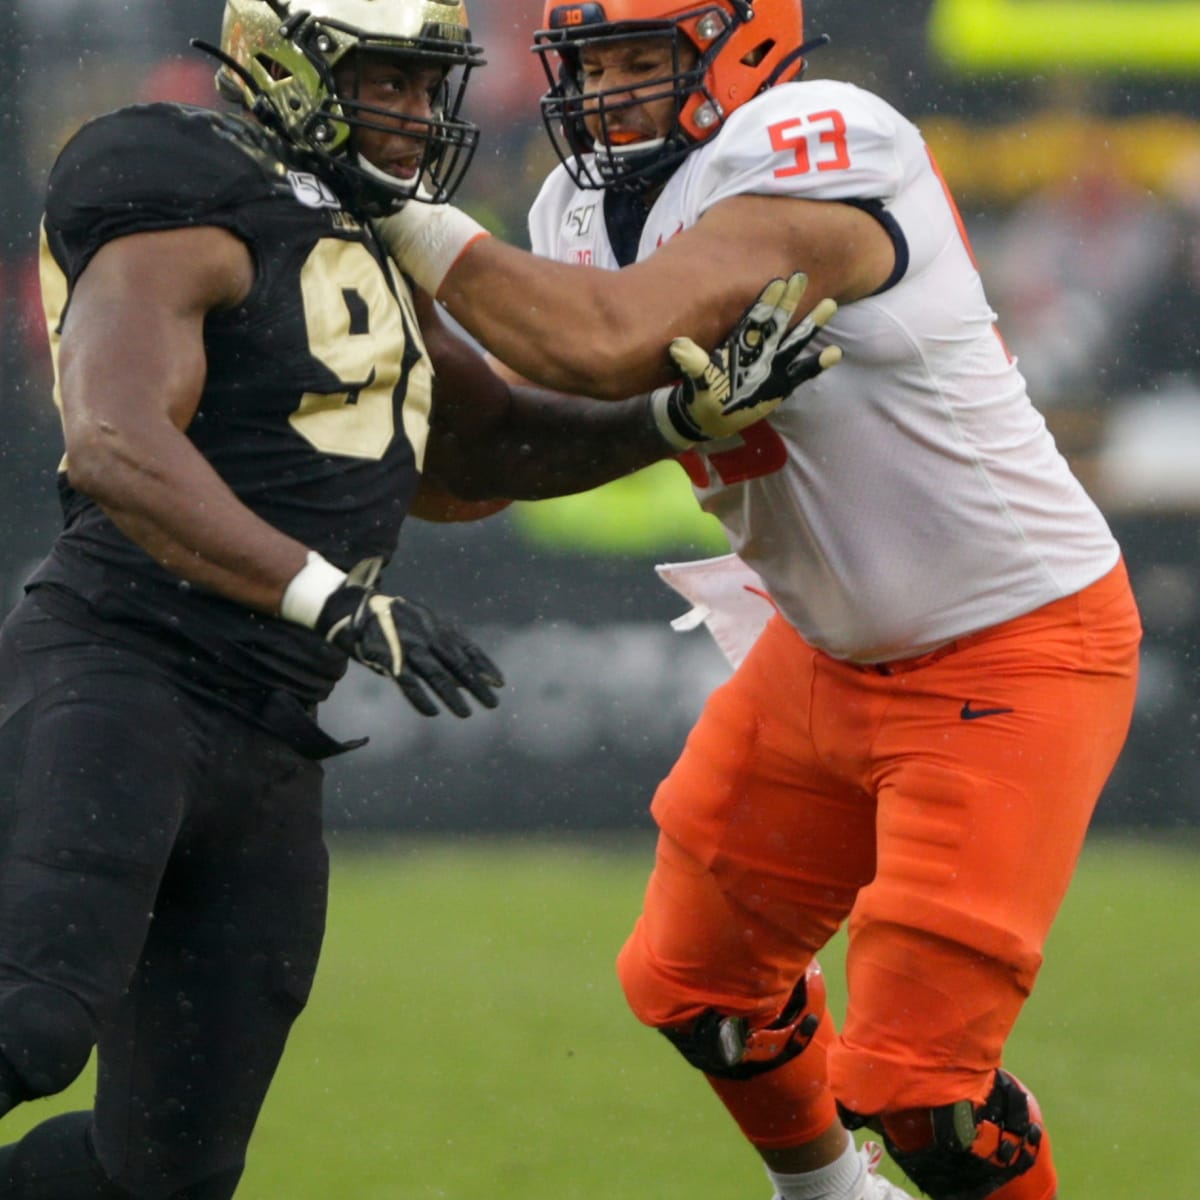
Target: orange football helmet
<point x="739" y="48"/>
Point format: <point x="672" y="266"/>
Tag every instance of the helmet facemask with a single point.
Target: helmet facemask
<point x="288" y="74"/>
<point x="448" y="141"/>
<point x="598" y="162"/>
<point x="742" y="48"/>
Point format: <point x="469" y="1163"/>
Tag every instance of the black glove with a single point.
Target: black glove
<point x="409" y="643"/>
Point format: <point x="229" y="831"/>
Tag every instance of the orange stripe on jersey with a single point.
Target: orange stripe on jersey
<point x="966" y="241"/>
<point x="958" y="221"/>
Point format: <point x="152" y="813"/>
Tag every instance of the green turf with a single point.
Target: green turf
<point x="467" y="1038"/>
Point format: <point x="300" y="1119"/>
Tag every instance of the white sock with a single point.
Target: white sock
<point x="840" y="1180"/>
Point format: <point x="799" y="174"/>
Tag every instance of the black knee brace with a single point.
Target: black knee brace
<point x="969" y="1150"/>
<point x="45" y="1040"/>
<point x="726" y="1047"/>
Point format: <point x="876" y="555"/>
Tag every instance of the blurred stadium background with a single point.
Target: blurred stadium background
<point x="1069" y="134"/>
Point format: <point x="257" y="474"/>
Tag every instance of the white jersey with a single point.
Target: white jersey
<point x="913" y="493"/>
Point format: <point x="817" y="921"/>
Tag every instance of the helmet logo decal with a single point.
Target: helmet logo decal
<point x="311" y="191"/>
<point x="236" y="41"/>
<point x="568" y="16"/>
<point x="444" y="31"/>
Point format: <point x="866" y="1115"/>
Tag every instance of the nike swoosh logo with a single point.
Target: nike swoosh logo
<point x="973" y="714"/>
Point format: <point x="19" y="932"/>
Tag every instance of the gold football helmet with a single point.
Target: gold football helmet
<point x="278" y="59"/>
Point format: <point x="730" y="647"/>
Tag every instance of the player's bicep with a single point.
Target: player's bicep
<point x="846" y="252"/>
<point x="132" y="338"/>
<point x="700" y="282"/>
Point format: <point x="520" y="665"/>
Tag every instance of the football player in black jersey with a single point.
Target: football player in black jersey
<point x="253" y="399"/>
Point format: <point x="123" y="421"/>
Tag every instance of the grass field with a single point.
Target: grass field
<point x="467" y="1037"/>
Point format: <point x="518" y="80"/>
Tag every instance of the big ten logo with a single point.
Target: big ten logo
<point x="581" y="256"/>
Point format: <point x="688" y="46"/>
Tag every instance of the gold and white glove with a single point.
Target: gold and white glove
<point x="749" y="374"/>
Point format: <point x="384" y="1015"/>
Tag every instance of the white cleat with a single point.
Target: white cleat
<point x="874" y="1186"/>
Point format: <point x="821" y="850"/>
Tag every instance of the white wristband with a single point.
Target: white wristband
<point x="426" y="240"/>
<point x="659" y="399"/>
<point x="310" y="587"/>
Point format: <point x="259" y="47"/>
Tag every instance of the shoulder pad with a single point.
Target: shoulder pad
<point x="158" y="165"/>
<point x="817" y="141"/>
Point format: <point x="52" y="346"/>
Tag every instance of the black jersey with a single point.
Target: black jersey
<point x="316" y="400"/>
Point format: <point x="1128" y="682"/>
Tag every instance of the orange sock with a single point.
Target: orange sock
<point x="788" y="1106"/>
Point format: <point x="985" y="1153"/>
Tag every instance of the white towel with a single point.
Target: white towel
<point x="727" y="597"/>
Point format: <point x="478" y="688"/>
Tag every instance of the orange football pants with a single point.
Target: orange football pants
<point x="939" y="805"/>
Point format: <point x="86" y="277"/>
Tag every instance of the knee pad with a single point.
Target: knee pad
<point x="963" y="1149"/>
<point x="728" y="1048"/>
<point x="45" y="1040"/>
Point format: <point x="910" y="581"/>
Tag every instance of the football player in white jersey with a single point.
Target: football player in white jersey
<point x="252" y="403"/>
<point x="915" y="743"/>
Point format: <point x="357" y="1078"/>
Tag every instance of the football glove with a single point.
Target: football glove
<point x="749" y="374"/>
<point x="407" y="642"/>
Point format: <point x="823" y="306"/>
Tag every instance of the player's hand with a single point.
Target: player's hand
<point x="750" y="374"/>
<point x="409" y="643"/>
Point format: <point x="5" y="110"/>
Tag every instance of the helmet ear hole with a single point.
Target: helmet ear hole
<point x="273" y="67"/>
<point x="755" y="56"/>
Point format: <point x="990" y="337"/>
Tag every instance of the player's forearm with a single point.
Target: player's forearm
<point x="172" y="504"/>
<point x="573" y="330"/>
<point x="549" y="445"/>
<point x="583" y="329"/>
<point x="207" y="563"/>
